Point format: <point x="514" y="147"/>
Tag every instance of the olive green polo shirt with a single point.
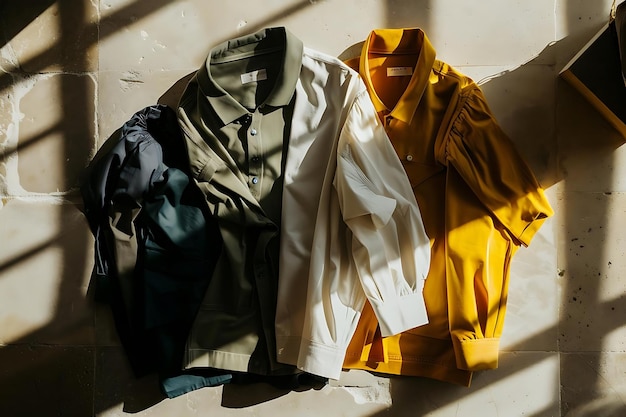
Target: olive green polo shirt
<point x="249" y="86"/>
<point x="239" y="107"/>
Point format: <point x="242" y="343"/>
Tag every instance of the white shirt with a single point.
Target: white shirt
<point x="351" y="227"/>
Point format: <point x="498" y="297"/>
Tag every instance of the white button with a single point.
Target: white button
<point x="255" y="180"/>
<point x="409" y="158"/>
<point x="253" y="132"/>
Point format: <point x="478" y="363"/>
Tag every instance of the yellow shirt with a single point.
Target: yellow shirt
<point x="478" y="199"/>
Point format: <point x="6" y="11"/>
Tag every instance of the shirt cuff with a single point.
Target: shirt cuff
<point x="531" y="229"/>
<point x="400" y="314"/>
<point x="476" y="354"/>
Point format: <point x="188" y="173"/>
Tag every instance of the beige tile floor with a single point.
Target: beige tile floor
<point x="71" y="72"/>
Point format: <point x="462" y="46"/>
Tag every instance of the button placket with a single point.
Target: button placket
<point x="254" y="152"/>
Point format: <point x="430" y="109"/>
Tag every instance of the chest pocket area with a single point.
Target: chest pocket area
<point x="419" y="172"/>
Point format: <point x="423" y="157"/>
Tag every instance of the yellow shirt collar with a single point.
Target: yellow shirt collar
<point x="396" y="41"/>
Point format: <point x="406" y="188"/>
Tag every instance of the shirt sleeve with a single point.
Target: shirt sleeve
<point x="494" y="204"/>
<point x="389" y="247"/>
<point x="491" y="166"/>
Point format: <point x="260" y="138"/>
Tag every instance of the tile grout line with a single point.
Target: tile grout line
<point x="559" y="398"/>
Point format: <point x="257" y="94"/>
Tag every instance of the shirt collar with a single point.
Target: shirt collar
<point x="225" y="106"/>
<point x="396" y="41"/>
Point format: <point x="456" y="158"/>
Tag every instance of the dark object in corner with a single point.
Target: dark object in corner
<point x="596" y="71"/>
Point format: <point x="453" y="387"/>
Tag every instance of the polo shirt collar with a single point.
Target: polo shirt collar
<point x="397" y="41"/>
<point x="224" y="105"/>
